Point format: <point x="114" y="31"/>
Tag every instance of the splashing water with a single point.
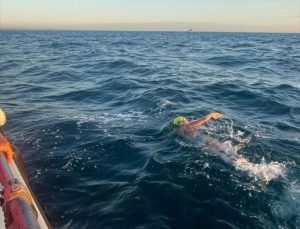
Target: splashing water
<point x="165" y="102"/>
<point x="262" y="171"/>
<point x="162" y="106"/>
<point x="221" y="140"/>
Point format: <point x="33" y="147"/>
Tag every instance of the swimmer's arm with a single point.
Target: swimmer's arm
<point x="200" y="122"/>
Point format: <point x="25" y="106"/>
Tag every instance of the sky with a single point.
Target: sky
<point x="162" y="15"/>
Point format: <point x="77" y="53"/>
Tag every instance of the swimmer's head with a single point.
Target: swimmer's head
<point x="179" y="121"/>
<point x="2" y="118"/>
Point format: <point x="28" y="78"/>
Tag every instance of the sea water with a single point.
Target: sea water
<point x="85" y="110"/>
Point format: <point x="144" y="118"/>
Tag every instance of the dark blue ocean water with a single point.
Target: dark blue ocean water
<point x="85" y="108"/>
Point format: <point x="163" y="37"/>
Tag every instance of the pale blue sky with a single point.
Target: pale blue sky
<point x="209" y="15"/>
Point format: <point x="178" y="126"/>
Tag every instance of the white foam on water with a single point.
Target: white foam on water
<point x="220" y="139"/>
<point x="162" y="107"/>
<point x="113" y="126"/>
<point x="164" y="103"/>
<point x="105" y="117"/>
<point x="229" y="153"/>
<point x="111" y="123"/>
<point x="262" y="171"/>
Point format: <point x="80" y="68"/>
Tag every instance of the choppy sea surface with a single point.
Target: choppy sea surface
<point x="85" y="109"/>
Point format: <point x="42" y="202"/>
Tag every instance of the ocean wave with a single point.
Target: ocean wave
<point x="287" y="208"/>
<point x="84" y="109"/>
<point x="121" y="64"/>
<point x="229" y="61"/>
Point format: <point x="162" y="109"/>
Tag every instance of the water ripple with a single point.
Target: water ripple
<point x="84" y="109"/>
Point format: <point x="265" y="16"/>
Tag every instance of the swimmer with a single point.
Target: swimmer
<point x="188" y="129"/>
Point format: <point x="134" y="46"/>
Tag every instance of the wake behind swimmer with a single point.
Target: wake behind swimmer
<point x="227" y="152"/>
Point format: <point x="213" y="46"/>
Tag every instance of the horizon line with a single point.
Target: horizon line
<point x="58" y="29"/>
<point x="162" y="26"/>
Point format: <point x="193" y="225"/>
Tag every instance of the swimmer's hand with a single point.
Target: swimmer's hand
<point x="216" y="115"/>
